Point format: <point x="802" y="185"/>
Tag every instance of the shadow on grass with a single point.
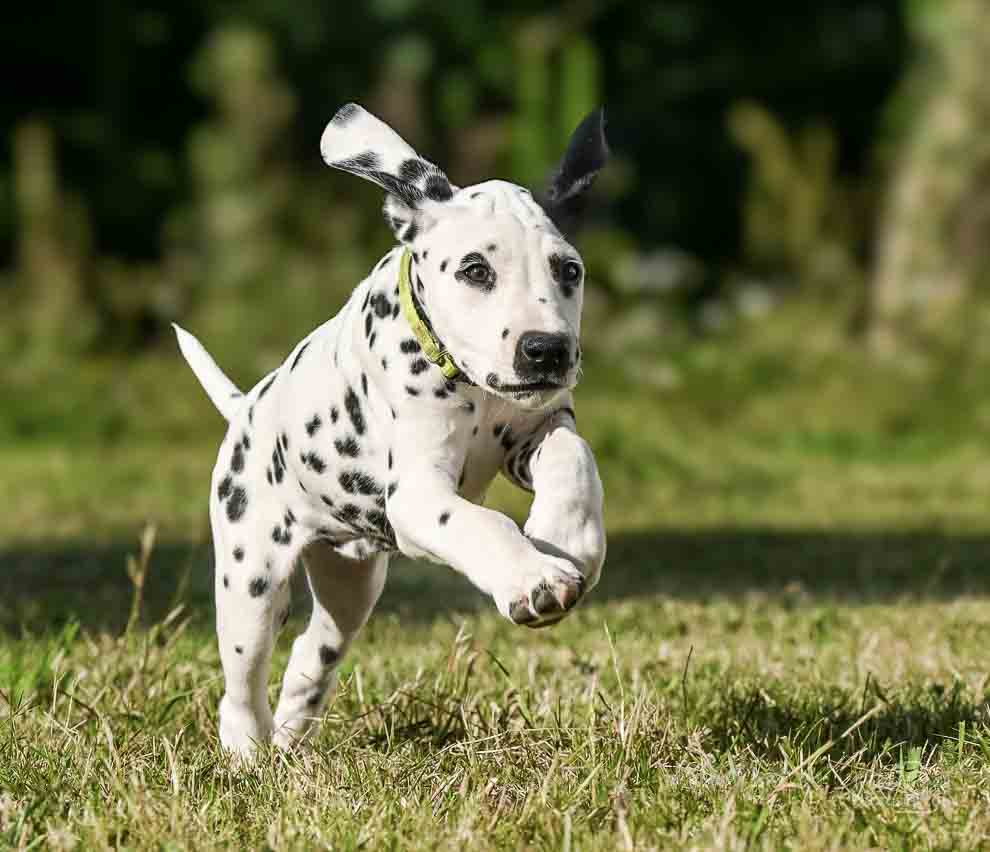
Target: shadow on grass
<point x="764" y="717"/>
<point x="42" y="587"/>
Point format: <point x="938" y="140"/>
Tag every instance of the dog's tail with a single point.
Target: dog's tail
<point x="221" y="390"/>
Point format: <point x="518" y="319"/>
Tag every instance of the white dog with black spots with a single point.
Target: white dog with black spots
<point x="452" y="361"/>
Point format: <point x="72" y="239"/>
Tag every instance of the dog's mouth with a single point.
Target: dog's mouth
<point x="524" y="387"/>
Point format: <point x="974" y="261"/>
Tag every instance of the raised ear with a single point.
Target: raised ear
<point x="587" y="152"/>
<point x="358" y="142"/>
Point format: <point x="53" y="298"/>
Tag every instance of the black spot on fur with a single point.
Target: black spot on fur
<point x="498" y="429"/>
<point x="268" y="385"/>
<point x="346" y="480"/>
<point x="382" y="306"/>
<point x="408" y="346"/>
<point x="412" y="391"/>
<point x="257" y="587"/>
<point x="364" y="384"/>
<point x="326" y="500"/>
<point x="366" y="161"/>
<point x="379" y="521"/>
<point x="444" y="517"/>
<point x="413" y="170"/>
<point x="469" y="406"/>
<point x="353" y="406"/>
<point x="345" y="114"/>
<point x="226" y="581"/>
<point x="237" y="504"/>
<point x="315" y="698"/>
<point x="389" y="459"/>
<point x="347" y="447"/>
<point x="290" y="517"/>
<point x="334" y="414"/>
<point x="438" y="188"/>
<point x="299" y="354"/>
<point x="281" y="536"/>
<point x="440" y="393"/>
<point x="443" y="264"/>
<point x="238" y="649"/>
<point x="313" y="424"/>
<point x="349" y="512"/>
<point x="251" y="414"/>
<point x="238" y="554"/>
<point x="313" y="462"/>
<point x="237" y="459"/>
<point x="395" y="311"/>
<point x="224" y="488"/>
<point x="462" y="477"/>
<point x="268" y="473"/>
<point x="367" y="325"/>
<point x="392" y="488"/>
<point x="418" y="366"/>
<point x="278" y="463"/>
<point x="246" y="441"/>
<point x="285" y="441"/>
<point x="474" y="431"/>
<point x="491" y="247"/>
<point x="411" y="232"/>
<point x="358" y="481"/>
<point x="508" y="442"/>
<point x="505" y="333"/>
<point x="384" y="364"/>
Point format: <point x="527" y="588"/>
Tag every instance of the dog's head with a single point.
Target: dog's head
<point x="497" y="279"/>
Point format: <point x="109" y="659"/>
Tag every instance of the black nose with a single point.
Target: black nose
<point x="541" y="355"/>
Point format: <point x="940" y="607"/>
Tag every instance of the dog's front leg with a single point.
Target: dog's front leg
<point x="430" y="520"/>
<point x="566" y="516"/>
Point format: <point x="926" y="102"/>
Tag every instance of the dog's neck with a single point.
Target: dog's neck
<point x="419" y="321"/>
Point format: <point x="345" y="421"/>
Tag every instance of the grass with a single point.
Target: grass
<point x="787" y="649"/>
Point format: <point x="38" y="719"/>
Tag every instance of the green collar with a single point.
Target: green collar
<point x="428" y="340"/>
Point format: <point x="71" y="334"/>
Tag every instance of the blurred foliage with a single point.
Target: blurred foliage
<point x="932" y="249"/>
<point x="158" y="160"/>
<point x="797" y="218"/>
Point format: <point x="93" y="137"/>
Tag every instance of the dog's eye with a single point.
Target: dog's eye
<point x="571" y="272"/>
<point x="477" y="273"/>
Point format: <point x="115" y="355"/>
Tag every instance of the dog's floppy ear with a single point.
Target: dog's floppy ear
<point x="355" y="141"/>
<point x="587" y="152"/>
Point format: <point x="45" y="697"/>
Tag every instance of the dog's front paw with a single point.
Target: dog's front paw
<point x="542" y="594"/>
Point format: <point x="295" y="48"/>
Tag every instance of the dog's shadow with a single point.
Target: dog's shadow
<point x="43" y="587"/>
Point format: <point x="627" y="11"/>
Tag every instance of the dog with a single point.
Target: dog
<point x="452" y="361"/>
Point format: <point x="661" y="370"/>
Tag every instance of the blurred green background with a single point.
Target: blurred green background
<point x="786" y="322"/>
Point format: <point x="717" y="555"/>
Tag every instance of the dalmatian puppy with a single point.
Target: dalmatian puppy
<point x="452" y="361"/>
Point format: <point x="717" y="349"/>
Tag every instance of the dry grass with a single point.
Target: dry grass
<point x="787" y="650"/>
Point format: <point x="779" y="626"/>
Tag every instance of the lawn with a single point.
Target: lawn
<point x="787" y="649"/>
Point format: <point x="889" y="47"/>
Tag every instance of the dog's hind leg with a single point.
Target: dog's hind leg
<point x="344" y="593"/>
<point x="252" y="574"/>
